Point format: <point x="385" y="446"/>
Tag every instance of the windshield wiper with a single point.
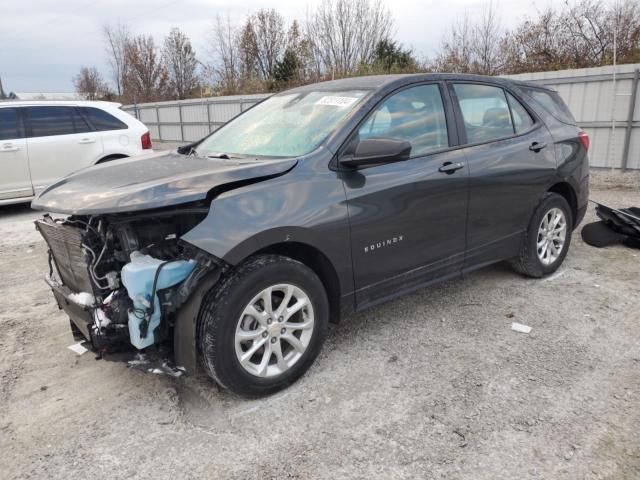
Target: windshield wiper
<point x="224" y="156"/>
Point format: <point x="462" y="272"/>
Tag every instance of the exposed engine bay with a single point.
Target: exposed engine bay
<point x="122" y="278"/>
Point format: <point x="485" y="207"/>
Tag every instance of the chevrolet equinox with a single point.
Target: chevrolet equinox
<point x="235" y="252"/>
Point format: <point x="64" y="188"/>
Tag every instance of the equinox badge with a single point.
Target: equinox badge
<point x="385" y="243"/>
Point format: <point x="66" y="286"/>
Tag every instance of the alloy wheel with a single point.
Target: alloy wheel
<point x="552" y="235"/>
<point x="274" y="330"/>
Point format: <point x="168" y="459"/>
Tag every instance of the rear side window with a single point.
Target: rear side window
<point x="415" y="114"/>
<point x="485" y="112"/>
<point x="522" y="121"/>
<point x="56" y="120"/>
<point x="10" y="125"/>
<point x="552" y="102"/>
<point x="103" y="121"/>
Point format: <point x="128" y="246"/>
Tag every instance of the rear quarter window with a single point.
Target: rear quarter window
<point x="552" y="103"/>
<point x="10" y="125"/>
<point x="103" y="121"/>
<point x="522" y="121"/>
<point x="47" y="121"/>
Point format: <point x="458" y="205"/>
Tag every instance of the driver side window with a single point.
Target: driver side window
<point x="415" y="114"/>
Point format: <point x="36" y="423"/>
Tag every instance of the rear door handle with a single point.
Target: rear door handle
<point x="87" y="140"/>
<point x="537" y="146"/>
<point x="8" y="147"/>
<point x="449" y="168"/>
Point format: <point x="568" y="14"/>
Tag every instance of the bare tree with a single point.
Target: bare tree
<point x="474" y="47"/>
<point x="457" y="49"/>
<point x="538" y="44"/>
<point x="90" y="84"/>
<point x="264" y="40"/>
<point x="146" y="78"/>
<point x="344" y="33"/>
<point x="487" y="36"/>
<point x="592" y="26"/>
<point x="586" y="37"/>
<point x="225" y="66"/>
<point x="577" y="36"/>
<point x="181" y="63"/>
<point x="625" y="16"/>
<point x="117" y="36"/>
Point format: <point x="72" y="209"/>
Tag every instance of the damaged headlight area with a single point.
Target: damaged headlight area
<point x="123" y="278"/>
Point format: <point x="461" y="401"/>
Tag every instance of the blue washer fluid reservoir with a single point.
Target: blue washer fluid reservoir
<point x="137" y="276"/>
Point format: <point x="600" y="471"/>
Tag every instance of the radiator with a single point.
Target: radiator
<point x="71" y="260"/>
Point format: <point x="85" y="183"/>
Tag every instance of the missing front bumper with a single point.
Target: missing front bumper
<point x="83" y="321"/>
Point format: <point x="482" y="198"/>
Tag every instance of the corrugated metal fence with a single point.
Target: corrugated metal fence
<point x="606" y="107"/>
<point x="604" y="104"/>
<point x="186" y="121"/>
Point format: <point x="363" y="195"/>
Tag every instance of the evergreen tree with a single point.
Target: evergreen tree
<point x="286" y="69"/>
<point x="391" y="57"/>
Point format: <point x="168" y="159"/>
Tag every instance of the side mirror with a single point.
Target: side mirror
<point x="375" y="151"/>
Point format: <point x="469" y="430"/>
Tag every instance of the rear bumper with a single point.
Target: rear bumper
<point x="583" y="201"/>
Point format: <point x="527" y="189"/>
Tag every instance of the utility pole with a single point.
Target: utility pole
<point x="615" y="65"/>
<point x="611" y="153"/>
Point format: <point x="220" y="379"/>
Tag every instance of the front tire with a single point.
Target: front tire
<point x="263" y="326"/>
<point x="547" y="239"/>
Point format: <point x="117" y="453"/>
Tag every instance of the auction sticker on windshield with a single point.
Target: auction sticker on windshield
<point x="337" y="101"/>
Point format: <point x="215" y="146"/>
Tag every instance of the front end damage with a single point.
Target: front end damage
<point x="127" y="281"/>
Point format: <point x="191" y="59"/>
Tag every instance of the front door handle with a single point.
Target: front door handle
<point x="8" y="147"/>
<point x="449" y="168"/>
<point x="87" y="140"/>
<point x="537" y="146"/>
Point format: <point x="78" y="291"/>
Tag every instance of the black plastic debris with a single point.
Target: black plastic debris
<point x="616" y="226"/>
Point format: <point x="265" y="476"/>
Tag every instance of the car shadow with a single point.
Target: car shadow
<point x="16" y="210"/>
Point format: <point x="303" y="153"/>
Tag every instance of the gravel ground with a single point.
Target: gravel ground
<point x="615" y="180"/>
<point x="434" y="385"/>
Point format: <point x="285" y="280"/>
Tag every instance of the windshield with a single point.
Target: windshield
<point x="285" y="125"/>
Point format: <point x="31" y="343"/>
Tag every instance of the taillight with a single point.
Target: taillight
<point x="146" y="141"/>
<point x="584" y="140"/>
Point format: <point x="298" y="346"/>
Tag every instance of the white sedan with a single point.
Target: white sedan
<point x="42" y="141"/>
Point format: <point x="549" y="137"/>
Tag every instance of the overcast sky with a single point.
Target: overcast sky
<point x="43" y="43"/>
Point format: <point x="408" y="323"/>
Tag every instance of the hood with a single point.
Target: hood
<point x="153" y="181"/>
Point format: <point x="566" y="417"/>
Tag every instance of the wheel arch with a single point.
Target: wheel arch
<point x="113" y="156"/>
<point x="565" y="190"/>
<point x="317" y="261"/>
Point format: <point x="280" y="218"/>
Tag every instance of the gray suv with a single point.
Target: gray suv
<point x="236" y="252"/>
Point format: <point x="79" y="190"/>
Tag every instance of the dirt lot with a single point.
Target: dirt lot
<point x="435" y="385"/>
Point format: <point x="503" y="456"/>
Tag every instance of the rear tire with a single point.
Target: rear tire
<point x="547" y="239"/>
<point x="250" y="342"/>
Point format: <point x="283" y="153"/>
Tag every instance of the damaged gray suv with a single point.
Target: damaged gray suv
<point x="235" y="252"/>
